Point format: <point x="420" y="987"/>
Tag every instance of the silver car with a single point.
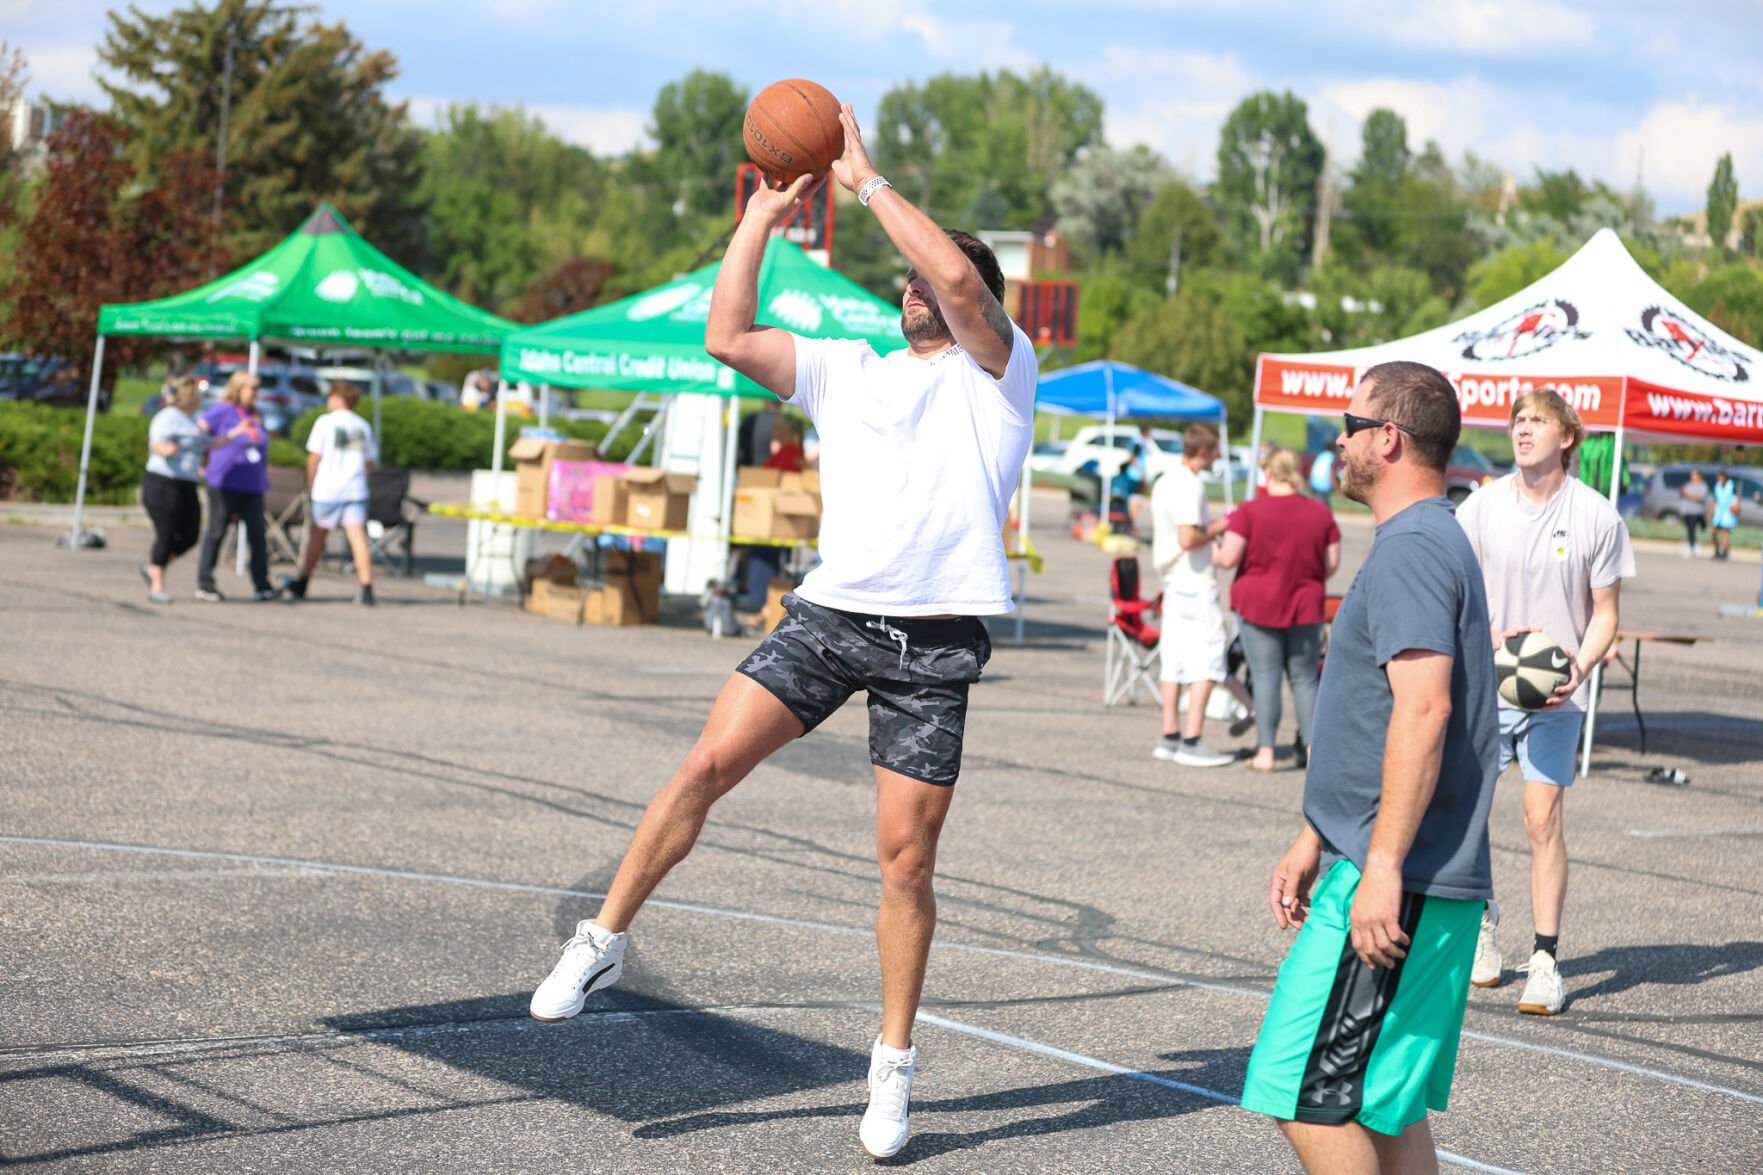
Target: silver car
<point x="1664" y="498"/>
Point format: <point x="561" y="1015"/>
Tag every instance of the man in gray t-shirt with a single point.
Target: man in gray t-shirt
<point x="1360" y="1038"/>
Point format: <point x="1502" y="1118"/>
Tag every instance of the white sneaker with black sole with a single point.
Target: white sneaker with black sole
<point x="592" y="960"/>
<point x="1167" y="746"/>
<point x="1543" y="993"/>
<point x="886" y="1122"/>
<point x="1198" y="754"/>
<point x="1489" y="967"/>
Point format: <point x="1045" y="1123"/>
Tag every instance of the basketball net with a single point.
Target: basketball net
<point x="810" y="226"/>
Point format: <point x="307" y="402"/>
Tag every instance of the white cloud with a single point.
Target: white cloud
<point x="62" y="72"/>
<point x="1494" y="28"/>
<point x="1682" y="141"/>
<point x="1171" y="100"/>
<point x="604" y="130"/>
<point x="967" y="44"/>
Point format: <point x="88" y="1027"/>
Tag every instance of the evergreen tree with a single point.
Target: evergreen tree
<point x="1723" y="199"/>
<point x="696" y="125"/>
<point x="306" y="118"/>
<point x="1268" y="164"/>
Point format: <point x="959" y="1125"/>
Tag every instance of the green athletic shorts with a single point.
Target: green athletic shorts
<point x="1344" y="1042"/>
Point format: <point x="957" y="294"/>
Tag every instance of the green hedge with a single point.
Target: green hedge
<point x="439" y="438"/>
<point x="40" y="446"/>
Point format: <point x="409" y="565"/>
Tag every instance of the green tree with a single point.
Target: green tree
<point x="1102" y="197"/>
<point x="1751" y="233"/>
<point x="1731" y="297"/>
<point x="1268" y="164"/>
<point x="1723" y="198"/>
<point x="1151" y="248"/>
<point x="307" y="119"/>
<point x="1106" y="301"/>
<point x="696" y="125"/>
<point x="983" y="151"/>
<point x="1191" y="339"/>
<point x="1373" y="202"/>
<point x="506" y="200"/>
<point x="1510" y="270"/>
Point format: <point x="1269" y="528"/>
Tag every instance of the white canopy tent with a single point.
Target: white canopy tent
<point x="1627" y="354"/>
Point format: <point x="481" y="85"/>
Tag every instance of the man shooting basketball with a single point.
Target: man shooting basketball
<point x="920" y="453"/>
<point x="1360" y="1039"/>
<point x="1554" y="553"/>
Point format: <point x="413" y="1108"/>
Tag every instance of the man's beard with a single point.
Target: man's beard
<point x="1356" y="482"/>
<point x="926" y="327"/>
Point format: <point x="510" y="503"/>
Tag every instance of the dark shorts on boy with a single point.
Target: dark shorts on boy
<point x="916" y="673"/>
<point x="1343" y="1042"/>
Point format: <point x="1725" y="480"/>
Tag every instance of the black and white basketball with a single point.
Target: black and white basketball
<point x="1530" y="667"/>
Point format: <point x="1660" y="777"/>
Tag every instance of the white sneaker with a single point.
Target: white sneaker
<point x="1489" y="964"/>
<point x="1166" y="748"/>
<point x="1543" y="994"/>
<point x="1200" y="755"/>
<point x="592" y="960"/>
<point x="885" y="1124"/>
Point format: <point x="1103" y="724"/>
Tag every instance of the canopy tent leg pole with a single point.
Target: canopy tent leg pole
<point x="379" y="367"/>
<point x="1025" y="492"/>
<point x="239" y="539"/>
<point x="498" y="445"/>
<point x="251" y="360"/>
<point x="1224" y="443"/>
<point x="1254" y="452"/>
<point x="76" y="538"/>
<point x="544" y="405"/>
<point x="730" y="456"/>
<point x="1597" y="674"/>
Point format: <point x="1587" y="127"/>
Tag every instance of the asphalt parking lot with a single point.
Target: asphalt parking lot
<point x="276" y="882"/>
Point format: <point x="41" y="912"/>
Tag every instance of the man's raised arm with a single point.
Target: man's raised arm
<point x="974" y="316"/>
<point x="763" y="354"/>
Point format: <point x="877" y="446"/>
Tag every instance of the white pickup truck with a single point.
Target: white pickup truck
<point x="1112" y="450"/>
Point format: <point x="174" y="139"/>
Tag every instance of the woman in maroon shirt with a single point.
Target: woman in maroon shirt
<point x="1284" y="546"/>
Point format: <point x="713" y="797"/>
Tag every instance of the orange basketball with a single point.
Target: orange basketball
<point x="792" y="128"/>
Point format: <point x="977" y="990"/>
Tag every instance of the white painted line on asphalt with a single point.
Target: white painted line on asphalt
<point x="1047" y="1050"/>
<point x="1692" y="833"/>
<point x="831" y="928"/>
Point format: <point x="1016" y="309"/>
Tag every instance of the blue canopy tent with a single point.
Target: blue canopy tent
<point x="1110" y="390"/>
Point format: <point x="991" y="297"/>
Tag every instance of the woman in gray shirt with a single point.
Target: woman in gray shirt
<point x="175" y="448"/>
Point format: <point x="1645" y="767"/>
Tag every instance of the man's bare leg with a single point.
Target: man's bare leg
<point x="1171" y="691"/>
<point x="1194" y="721"/>
<point x="1351" y="1149"/>
<point x="314" y="551"/>
<point x="745" y="726"/>
<point x="360" y="552"/>
<point x="1548" y="854"/>
<point x="909" y="816"/>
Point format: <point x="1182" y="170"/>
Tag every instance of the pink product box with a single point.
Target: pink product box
<point x="571" y="492"/>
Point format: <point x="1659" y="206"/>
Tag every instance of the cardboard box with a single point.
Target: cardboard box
<point x="659" y="500"/>
<point x="775" y="514"/>
<point x="774" y="605"/>
<point x="553" y="569"/>
<point x="625" y="603"/>
<point x="572" y="487"/>
<point x="611" y="501"/>
<point x="532" y="458"/>
<point x="559" y="601"/>
<point x="636" y="566"/>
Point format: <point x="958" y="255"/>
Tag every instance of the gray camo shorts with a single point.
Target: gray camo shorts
<point x="916" y="673"/>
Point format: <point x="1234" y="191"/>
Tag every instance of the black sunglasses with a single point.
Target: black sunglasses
<point x="1361" y="423"/>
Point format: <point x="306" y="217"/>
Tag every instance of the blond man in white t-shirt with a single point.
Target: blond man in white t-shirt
<point x="1553" y="554"/>
<point x="921" y="450"/>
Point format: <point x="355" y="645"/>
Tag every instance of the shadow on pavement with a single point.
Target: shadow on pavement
<point x="1076" y="1105"/>
<point x="1696" y="735"/>
<point x="1683" y="964"/>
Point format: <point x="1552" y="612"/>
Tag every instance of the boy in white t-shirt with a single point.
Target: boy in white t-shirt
<point x="1553" y="553"/>
<point x="340" y="454"/>
<point x="921" y="450"/>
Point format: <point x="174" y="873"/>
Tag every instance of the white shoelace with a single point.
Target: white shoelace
<point x="891" y="1086"/>
<point x="893" y="634"/>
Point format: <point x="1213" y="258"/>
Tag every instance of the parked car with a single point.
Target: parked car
<point x="47" y="379"/>
<point x="1112" y="450"/>
<point x="1048" y="457"/>
<point x="1664" y="500"/>
<point x="392" y="383"/>
<point x="288" y="389"/>
<point x="1468" y="471"/>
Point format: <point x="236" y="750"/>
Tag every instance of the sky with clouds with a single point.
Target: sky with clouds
<point x="1608" y="87"/>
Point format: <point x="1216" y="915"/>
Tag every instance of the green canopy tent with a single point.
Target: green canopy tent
<point x="323" y="284"/>
<point x="653" y="342"/>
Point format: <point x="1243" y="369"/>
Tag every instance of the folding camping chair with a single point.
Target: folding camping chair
<point x="1132" y="653"/>
<point x="391" y="521"/>
<point x="285" y="518"/>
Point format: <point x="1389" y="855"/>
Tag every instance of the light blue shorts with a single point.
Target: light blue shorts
<point x="332" y="515"/>
<point x="1545" y="743"/>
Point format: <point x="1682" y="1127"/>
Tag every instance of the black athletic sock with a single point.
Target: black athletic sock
<point x="1547" y="943"/>
<point x="1191" y="742"/>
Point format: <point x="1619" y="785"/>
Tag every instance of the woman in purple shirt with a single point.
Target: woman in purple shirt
<point x="238" y="477"/>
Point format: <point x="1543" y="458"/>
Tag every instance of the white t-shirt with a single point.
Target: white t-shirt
<point x="1542" y="563"/>
<point x="918" y="461"/>
<point x="344" y="443"/>
<point x="1177" y="500"/>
